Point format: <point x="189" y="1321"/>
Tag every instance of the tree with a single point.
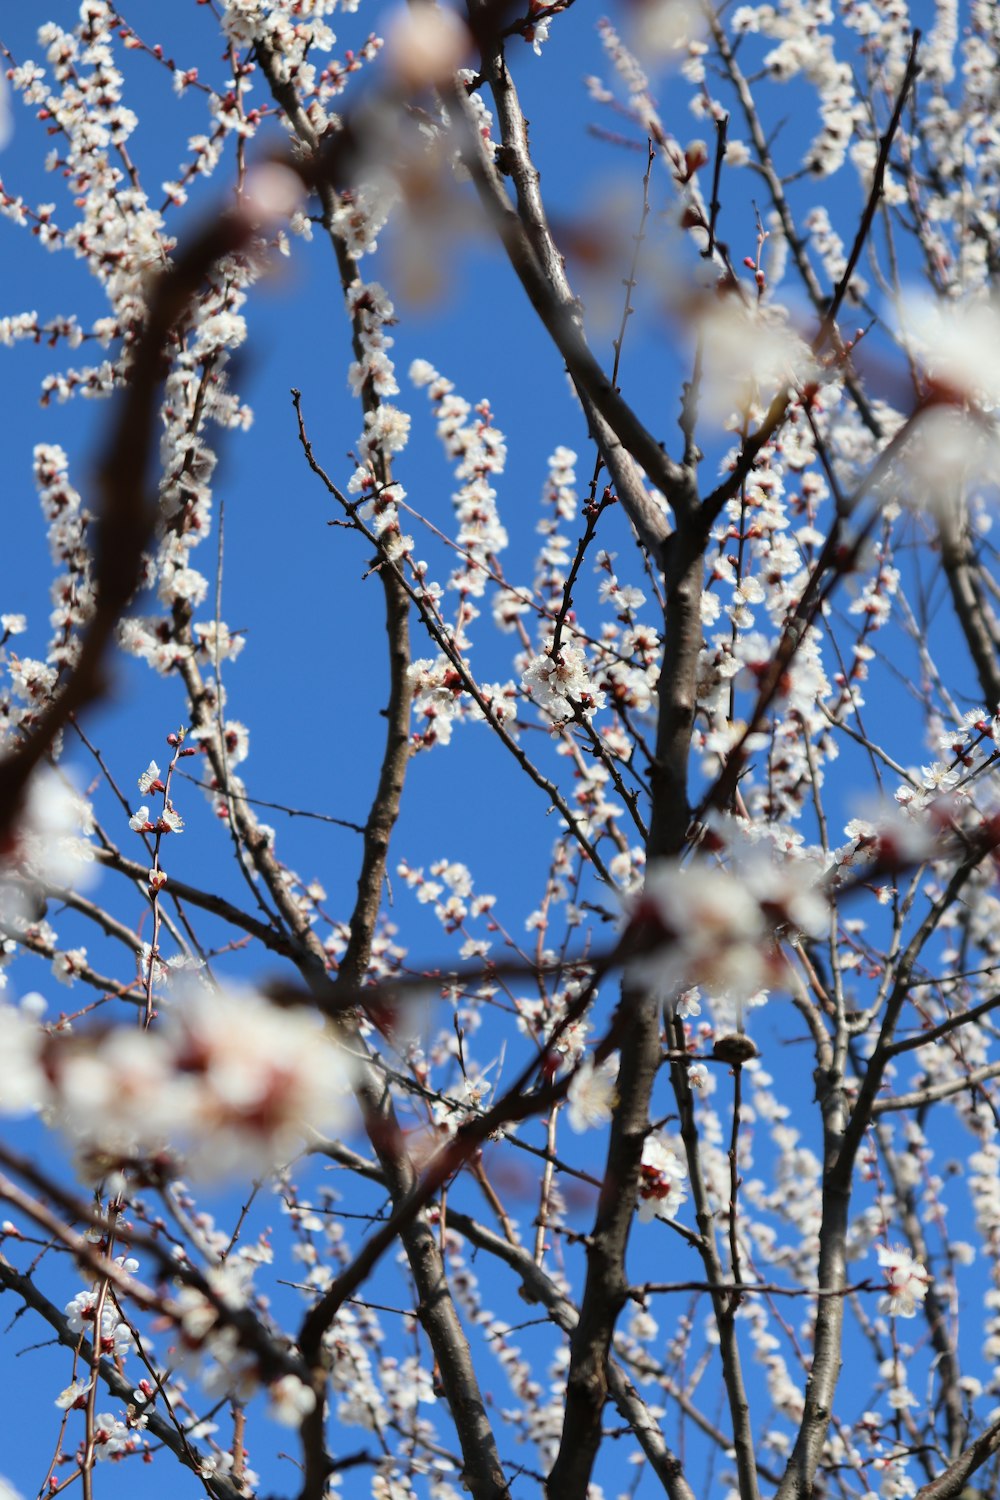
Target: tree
<point x="653" y="1146"/>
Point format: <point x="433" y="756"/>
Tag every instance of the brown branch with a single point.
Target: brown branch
<point x="874" y="195"/>
<point x="605" y="1288"/>
<point x="950" y="1483"/>
<point x="934" y="1092"/>
<point x="120" y="1386"/>
<point x="272" y="939"/>
<point x="525" y="235"/>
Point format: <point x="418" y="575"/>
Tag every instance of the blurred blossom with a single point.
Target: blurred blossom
<point x="425" y="45"/>
<point x="272" y="192"/>
<point x="662" y="30"/>
<point x="947" y="455"/>
<point x="893" y="836"/>
<point x="22" y="1079"/>
<point x="228" y="1079"/>
<point x="406" y="180"/>
<point x="699" y="924"/>
<point x="591" y="1094"/>
<point x="750" y="355"/>
<point x="50" y="845"/>
<point x="958" y="345"/>
<point x="290" y="1400"/>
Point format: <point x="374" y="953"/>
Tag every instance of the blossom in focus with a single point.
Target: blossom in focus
<point x="661" y="1174"/>
<point x="906" y="1279"/>
<point x="149" y="781"/>
<point x="591" y="1094"/>
<point x="557" y="683"/>
<point x="74" y="1396"/>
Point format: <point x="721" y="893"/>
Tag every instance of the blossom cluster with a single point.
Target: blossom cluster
<point x="224" y="1083"/>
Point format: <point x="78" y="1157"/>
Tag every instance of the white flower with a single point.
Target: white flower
<point x="66" y="966"/>
<point x="111" y="1436"/>
<point x="22" y="1079"/>
<point x="906" y="1279"/>
<point x="139" y="820"/>
<point x="72" y="1394"/>
<point x="557" y="683"/>
<point x="149" y="775"/>
<point x="290" y="1399"/>
<point x="660" y="1176"/>
<point x="591" y="1094"/>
